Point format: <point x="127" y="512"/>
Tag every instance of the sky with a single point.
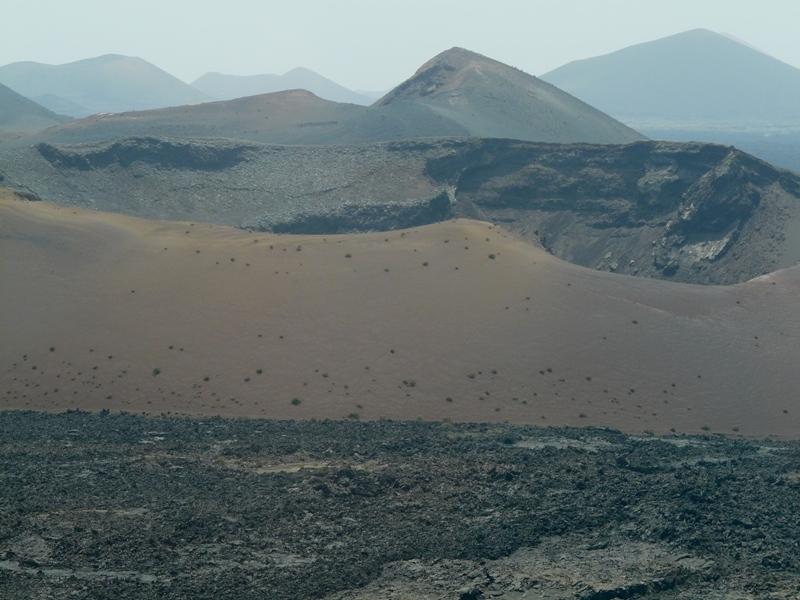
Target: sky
<point x="372" y="44"/>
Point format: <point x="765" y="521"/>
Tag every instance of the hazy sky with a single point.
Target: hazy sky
<point x="372" y="44"/>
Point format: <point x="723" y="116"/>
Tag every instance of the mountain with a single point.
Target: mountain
<point x="290" y="117"/>
<point x="454" y="321"/>
<point x="372" y="95"/>
<point x="491" y="99"/>
<point x="228" y="87"/>
<point x="106" y="84"/>
<point x="18" y="114"/>
<point x="60" y="105"/>
<point x="696" y="86"/>
<point x="696" y="213"/>
<point x="696" y="77"/>
<point x="457" y="94"/>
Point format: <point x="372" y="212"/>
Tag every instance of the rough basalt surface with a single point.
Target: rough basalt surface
<point x="123" y="507"/>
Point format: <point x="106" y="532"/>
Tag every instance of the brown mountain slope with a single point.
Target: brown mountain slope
<point x="457" y="320"/>
<point x="474" y="90"/>
<point x="456" y="94"/>
<point x="247" y="118"/>
<point x="290" y="117"/>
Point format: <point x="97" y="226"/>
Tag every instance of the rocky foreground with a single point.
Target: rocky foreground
<point x="123" y="507"/>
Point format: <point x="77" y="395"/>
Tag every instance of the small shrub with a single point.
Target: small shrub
<point x="156" y="372"/>
<point x="296" y="401"/>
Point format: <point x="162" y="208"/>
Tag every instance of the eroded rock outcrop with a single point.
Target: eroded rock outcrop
<point x="689" y="212"/>
<point x="698" y="213"/>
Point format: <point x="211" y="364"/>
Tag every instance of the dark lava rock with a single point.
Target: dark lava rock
<point x="131" y="507"/>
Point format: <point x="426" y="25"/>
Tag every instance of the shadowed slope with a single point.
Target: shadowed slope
<point x="18" y="114"/>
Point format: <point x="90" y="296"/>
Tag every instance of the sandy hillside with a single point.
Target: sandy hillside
<point x="457" y="320"/>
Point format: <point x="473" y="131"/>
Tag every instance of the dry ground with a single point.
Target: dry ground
<point x="121" y="507"/>
<point x="457" y="321"/>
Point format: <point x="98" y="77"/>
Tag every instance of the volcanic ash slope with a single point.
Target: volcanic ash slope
<point x="457" y="320"/>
